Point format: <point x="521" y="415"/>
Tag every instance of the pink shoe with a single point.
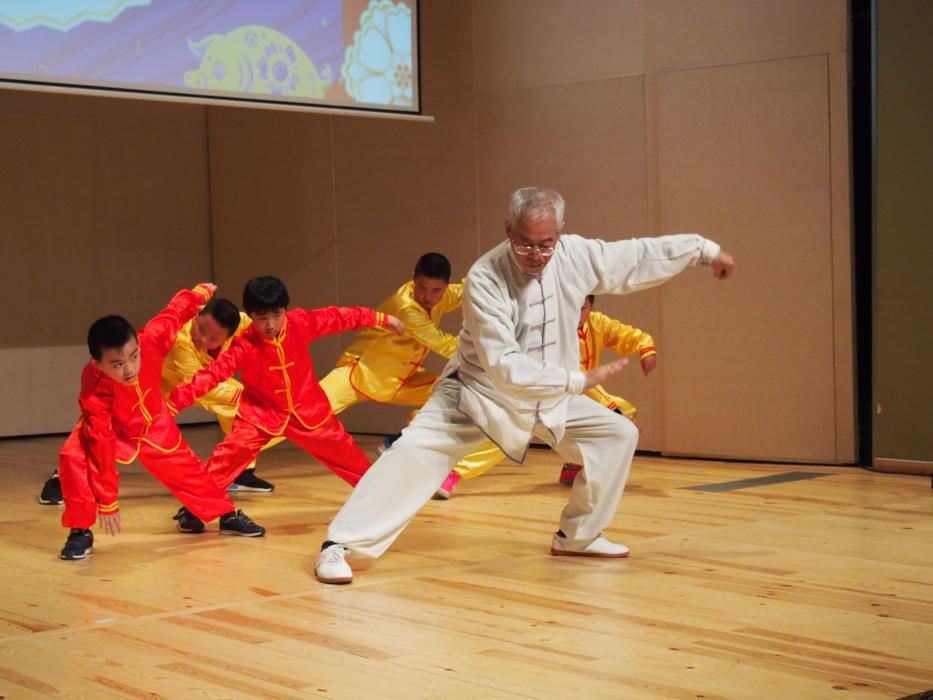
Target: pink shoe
<point x="443" y="493"/>
<point x="569" y="473"/>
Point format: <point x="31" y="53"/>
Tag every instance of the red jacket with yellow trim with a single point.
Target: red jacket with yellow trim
<point x="277" y="375"/>
<point x="116" y="419"/>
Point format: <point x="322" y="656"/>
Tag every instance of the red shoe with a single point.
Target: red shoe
<point x="445" y="489"/>
<point x="569" y="473"/>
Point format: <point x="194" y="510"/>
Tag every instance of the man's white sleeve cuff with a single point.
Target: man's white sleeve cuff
<point x="709" y="251"/>
<point x="576" y="381"/>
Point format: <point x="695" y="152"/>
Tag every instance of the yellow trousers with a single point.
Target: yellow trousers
<point x="341" y="393"/>
<point x="488" y="455"/>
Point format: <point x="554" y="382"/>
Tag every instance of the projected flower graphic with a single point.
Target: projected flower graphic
<point x="377" y="68"/>
<point x="256" y="59"/>
<point x="58" y="14"/>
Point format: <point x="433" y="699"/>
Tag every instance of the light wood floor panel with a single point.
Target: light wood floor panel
<point x="818" y="588"/>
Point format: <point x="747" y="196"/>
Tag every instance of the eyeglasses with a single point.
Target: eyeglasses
<point x="545" y="251"/>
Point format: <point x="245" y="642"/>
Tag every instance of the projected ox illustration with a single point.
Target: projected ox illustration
<point x="258" y="60"/>
<point x="356" y="53"/>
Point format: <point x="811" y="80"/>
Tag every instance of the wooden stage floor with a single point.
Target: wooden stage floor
<point x="811" y="588"/>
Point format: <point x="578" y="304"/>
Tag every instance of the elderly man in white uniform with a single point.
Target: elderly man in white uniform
<point x="516" y="376"/>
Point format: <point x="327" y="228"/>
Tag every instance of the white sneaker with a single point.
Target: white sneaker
<point x="331" y="565"/>
<point x="599" y="547"/>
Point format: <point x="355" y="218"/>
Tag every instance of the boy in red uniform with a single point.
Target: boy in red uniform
<point x="124" y="417"/>
<point x="281" y="396"/>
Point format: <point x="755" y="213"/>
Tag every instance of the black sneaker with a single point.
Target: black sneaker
<point x="79" y="544"/>
<point x="248" y="481"/>
<point x="387" y="442"/>
<point x="239" y="523"/>
<point x="52" y="492"/>
<point x="188" y="522"/>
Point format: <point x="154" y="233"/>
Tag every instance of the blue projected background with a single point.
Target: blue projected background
<point x="344" y="53"/>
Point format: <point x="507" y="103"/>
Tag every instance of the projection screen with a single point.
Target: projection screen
<point x="345" y="54"/>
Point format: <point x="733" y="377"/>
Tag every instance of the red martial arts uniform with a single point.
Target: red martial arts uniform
<point x="281" y="395"/>
<point x="123" y="422"/>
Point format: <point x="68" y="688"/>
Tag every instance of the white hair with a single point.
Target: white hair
<point x="536" y="203"/>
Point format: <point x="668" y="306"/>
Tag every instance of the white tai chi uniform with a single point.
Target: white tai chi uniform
<point x="516" y="374"/>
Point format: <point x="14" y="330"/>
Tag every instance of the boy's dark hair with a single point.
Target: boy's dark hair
<point x="433" y="265"/>
<point x="592" y="299"/>
<point x="109" y="332"/>
<point x="264" y="294"/>
<point x="224" y="312"/>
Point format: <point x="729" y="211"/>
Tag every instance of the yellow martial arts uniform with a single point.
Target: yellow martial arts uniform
<point x="384" y="367"/>
<point x="185" y="359"/>
<point x="599" y="332"/>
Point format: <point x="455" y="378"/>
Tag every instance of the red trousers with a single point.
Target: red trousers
<point x="181" y="471"/>
<point x="329" y="443"/>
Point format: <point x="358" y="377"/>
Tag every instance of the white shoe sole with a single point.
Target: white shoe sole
<point x="78" y="556"/>
<point x="189" y="532"/>
<point x="335" y="581"/>
<point x="570" y="553"/>
<point x="242" y="534"/>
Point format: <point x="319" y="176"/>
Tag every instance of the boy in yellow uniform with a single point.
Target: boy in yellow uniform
<point x="197" y="344"/>
<point x="596" y="332"/>
<point x="387" y="368"/>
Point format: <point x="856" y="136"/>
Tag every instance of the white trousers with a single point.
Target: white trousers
<point x="405" y="477"/>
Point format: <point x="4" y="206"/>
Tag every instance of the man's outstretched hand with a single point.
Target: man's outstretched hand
<point x="723" y="265"/>
<point x="603" y="373"/>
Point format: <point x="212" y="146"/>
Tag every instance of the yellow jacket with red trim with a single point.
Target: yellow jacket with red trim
<point x="600" y="332"/>
<point x="384" y="362"/>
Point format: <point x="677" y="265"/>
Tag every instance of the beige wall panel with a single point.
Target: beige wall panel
<point x="653" y="425"/>
<point x="587" y="140"/>
<point x="47" y="231"/>
<point x="104" y="207"/>
<point x="446" y="50"/>
<point x="153" y="186"/>
<point x="403" y="189"/>
<point x="744" y="158"/>
<point x="45" y="382"/>
<point x="843" y="280"/>
<point x="273" y="207"/>
<point x="686" y="33"/>
<point x="521" y="43"/>
<point x="272" y="199"/>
